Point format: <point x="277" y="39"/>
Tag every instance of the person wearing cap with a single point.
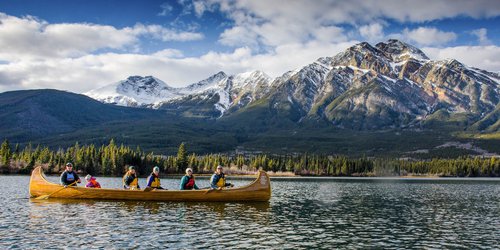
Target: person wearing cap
<point x="154" y="179"/>
<point x="69" y="177"/>
<point x="187" y="181"/>
<point x="92" y="182"/>
<point x="130" y="179"/>
<point x="218" y="180"/>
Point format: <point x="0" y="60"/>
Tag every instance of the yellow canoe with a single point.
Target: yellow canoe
<point x="258" y="190"/>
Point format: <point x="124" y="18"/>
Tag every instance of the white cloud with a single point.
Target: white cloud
<point x="29" y="37"/>
<point x="331" y="34"/>
<point x="428" y="36"/>
<point x="372" y="32"/>
<point x="201" y="6"/>
<point x="482" y="36"/>
<point x="161" y="33"/>
<point x="169" y="53"/>
<point x="238" y="36"/>
<point x="483" y="57"/>
<point x="165" y="9"/>
<point x="274" y="22"/>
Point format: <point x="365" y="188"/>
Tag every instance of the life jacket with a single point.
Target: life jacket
<point x="190" y="183"/>
<point x="156" y="181"/>
<point x="222" y="180"/>
<point x="134" y="184"/>
<point x="70" y="176"/>
<point x="95" y="184"/>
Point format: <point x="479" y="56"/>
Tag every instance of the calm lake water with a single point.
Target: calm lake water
<point x="302" y="213"/>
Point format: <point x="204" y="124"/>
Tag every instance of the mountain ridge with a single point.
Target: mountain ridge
<point x="391" y="84"/>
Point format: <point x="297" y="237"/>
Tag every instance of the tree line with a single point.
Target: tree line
<point x="114" y="159"/>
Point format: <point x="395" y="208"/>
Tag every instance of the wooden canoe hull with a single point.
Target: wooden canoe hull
<point x="258" y="190"/>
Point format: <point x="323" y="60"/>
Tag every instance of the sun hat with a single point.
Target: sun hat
<point x="88" y="177"/>
<point x="189" y="169"/>
<point x="156" y="169"/>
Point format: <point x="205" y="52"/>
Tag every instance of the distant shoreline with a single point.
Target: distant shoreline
<point x="290" y="175"/>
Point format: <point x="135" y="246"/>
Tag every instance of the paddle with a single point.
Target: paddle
<point x="209" y="190"/>
<point x="212" y="189"/>
<point x="44" y="197"/>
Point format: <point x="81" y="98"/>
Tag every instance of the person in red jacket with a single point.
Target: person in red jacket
<point x="187" y="181"/>
<point x="91" y="182"/>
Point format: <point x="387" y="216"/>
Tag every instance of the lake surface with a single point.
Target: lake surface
<point x="321" y="213"/>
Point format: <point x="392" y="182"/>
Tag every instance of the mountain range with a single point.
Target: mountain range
<point x="387" y="99"/>
<point x="392" y="84"/>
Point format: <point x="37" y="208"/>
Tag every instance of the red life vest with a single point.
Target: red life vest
<point x="190" y="183"/>
<point x="95" y="184"/>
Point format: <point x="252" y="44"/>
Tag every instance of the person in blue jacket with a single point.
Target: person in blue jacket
<point x="154" y="179"/>
<point x="218" y="180"/>
<point x="187" y="181"/>
<point x="69" y="177"/>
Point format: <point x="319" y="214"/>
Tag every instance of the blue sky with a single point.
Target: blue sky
<point x="80" y="45"/>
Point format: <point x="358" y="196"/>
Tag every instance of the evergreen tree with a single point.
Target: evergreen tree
<point x="5" y="153"/>
<point x="181" y="160"/>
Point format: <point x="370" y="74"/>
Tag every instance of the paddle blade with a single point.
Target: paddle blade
<point x="210" y="190"/>
<point x="42" y="197"/>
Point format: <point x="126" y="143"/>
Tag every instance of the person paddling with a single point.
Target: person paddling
<point x="69" y="177"/>
<point x="187" y="181"/>
<point x="92" y="182"/>
<point x="154" y="179"/>
<point x="130" y="179"/>
<point x="218" y="180"/>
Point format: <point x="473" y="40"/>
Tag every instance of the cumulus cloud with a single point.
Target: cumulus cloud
<point x="272" y="22"/>
<point x="165" y="9"/>
<point x="483" y="57"/>
<point x="238" y="36"/>
<point x="428" y="36"/>
<point x="372" y="32"/>
<point x="482" y="36"/>
<point x="201" y="6"/>
<point x="161" y="33"/>
<point x="169" y="53"/>
<point x="19" y="35"/>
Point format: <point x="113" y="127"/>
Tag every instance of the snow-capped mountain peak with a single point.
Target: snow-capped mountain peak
<point x="134" y="91"/>
<point x="212" y="82"/>
<point x="400" y="51"/>
<point x="250" y="79"/>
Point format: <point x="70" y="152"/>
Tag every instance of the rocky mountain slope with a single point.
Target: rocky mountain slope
<point x="390" y="85"/>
